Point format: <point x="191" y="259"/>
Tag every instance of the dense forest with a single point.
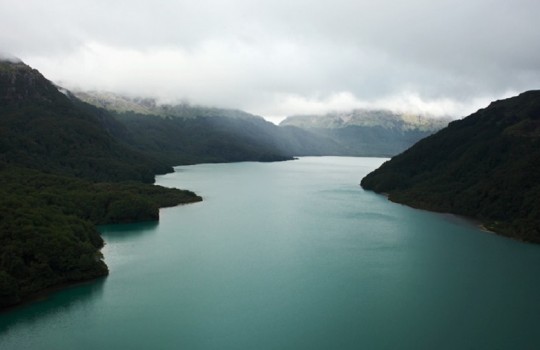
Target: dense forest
<point x="62" y="171"/>
<point x="203" y="139"/>
<point x="183" y="134"/>
<point x="47" y="227"/>
<point x="486" y="166"/>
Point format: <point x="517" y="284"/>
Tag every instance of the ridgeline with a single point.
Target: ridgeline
<point x="368" y="132"/>
<point x="485" y="166"/>
<point x="187" y="134"/>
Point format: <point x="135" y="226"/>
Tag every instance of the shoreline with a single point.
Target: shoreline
<point x="470" y="221"/>
<point x="46" y="293"/>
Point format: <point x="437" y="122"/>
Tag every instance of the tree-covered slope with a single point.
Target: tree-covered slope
<point x="486" y="166"/>
<point x="221" y="138"/>
<point x="55" y="153"/>
<point x="47" y="227"/>
<point x="202" y="139"/>
<point x="188" y="134"/>
<point x="41" y="128"/>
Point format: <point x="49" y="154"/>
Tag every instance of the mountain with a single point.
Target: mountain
<point x="62" y="171"/>
<point x="118" y="103"/>
<point x="486" y="166"/>
<point x="185" y="134"/>
<point x="189" y="134"/>
<point x="369" y="132"/>
<point x="43" y="129"/>
<point x="203" y="139"/>
<point x="149" y="106"/>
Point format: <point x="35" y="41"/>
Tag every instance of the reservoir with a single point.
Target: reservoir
<point x="293" y="255"/>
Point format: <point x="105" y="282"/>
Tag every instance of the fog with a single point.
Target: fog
<point x="278" y="58"/>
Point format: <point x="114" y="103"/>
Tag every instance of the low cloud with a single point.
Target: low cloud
<point x="9" y="57"/>
<point x="279" y="58"/>
<point x="287" y="105"/>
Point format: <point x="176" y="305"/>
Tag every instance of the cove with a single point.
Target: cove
<point x="293" y="255"/>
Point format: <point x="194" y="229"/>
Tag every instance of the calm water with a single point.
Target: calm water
<point x="293" y="255"/>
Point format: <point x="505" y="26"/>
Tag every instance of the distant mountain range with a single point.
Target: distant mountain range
<point x="358" y="133"/>
<point x="149" y="106"/>
<point x="185" y="134"/>
<point x="486" y="166"/>
<point x="368" y="118"/>
<point x="365" y="132"/>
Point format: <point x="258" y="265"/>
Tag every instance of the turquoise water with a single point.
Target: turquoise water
<point x="293" y="255"/>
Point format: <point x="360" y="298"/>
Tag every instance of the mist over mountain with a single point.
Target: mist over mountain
<point x="43" y="129"/>
<point x="185" y="134"/>
<point x="369" y="118"/>
<point x="150" y="106"/>
<point x="486" y="166"/>
<point x="365" y="132"/>
<point x="198" y="133"/>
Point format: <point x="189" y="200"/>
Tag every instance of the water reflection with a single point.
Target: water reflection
<point x="72" y="298"/>
<point x="122" y="232"/>
<point x="292" y="265"/>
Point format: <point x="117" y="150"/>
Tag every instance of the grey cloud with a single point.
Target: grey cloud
<point x="258" y="54"/>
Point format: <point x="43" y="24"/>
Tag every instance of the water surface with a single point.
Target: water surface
<point x="293" y="255"/>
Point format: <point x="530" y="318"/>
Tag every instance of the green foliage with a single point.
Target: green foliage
<point x="55" y="152"/>
<point x="47" y="233"/>
<point x="47" y="227"/>
<point x="486" y="166"/>
<point x="203" y="139"/>
<point x="43" y="129"/>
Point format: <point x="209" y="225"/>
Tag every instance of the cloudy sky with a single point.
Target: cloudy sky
<point x="282" y="57"/>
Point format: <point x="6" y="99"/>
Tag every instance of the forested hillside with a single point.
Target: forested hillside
<point x="43" y="129"/>
<point x="189" y="134"/>
<point x="486" y="166"/>
<point x="55" y="155"/>
<point x="185" y="134"/>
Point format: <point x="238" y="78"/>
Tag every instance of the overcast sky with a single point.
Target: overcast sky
<point x="282" y="57"/>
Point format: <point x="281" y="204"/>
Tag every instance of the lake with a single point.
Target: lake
<point x="293" y="255"/>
